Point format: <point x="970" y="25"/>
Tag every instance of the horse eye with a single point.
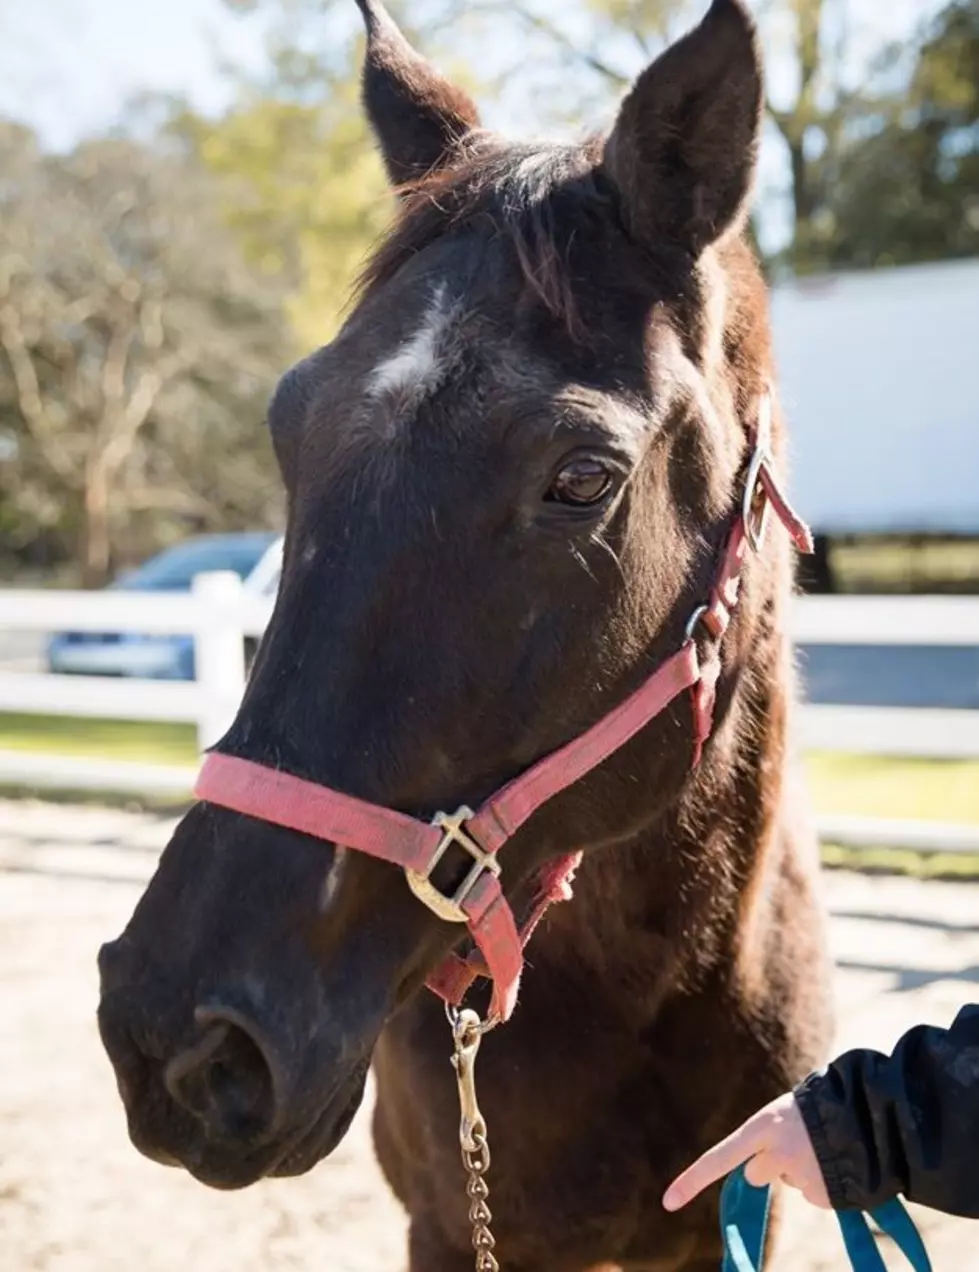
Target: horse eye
<point x="581" y="483"/>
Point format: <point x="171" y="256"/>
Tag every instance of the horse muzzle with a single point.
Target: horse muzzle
<point x="220" y="1094"/>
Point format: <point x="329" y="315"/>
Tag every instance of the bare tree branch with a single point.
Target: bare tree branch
<point x="127" y="319"/>
<point x="30" y="399"/>
<point x="544" y="25"/>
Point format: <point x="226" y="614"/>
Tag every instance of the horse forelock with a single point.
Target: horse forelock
<point x="533" y="197"/>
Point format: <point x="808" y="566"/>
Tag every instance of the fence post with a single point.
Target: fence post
<point x="219" y="653"/>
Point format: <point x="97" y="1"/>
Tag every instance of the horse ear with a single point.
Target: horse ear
<point x="684" y="147"/>
<point x="418" y="117"/>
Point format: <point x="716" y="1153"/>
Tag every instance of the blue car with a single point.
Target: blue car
<point x="254" y="557"/>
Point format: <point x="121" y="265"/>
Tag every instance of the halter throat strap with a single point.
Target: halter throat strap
<point x="417" y="847"/>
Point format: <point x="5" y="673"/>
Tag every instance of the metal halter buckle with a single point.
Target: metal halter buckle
<point x="453" y="832"/>
<point x="755" y="505"/>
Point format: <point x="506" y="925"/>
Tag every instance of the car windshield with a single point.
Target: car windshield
<point x="174" y="569"/>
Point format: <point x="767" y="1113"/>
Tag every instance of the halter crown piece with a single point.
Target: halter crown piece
<point x="417" y="847"/>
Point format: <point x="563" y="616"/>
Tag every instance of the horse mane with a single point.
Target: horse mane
<point x="533" y="197"/>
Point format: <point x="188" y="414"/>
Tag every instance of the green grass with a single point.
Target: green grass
<point x="875" y="786"/>
<point x="915" y="565"/>
<point x="136" y="740"/>
<point x="902" y="861"/>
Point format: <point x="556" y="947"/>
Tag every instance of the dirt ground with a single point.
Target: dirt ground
<point x="75" y="1197"/>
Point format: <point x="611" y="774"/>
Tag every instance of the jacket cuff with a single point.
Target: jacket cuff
<point x="829" y="1164"/>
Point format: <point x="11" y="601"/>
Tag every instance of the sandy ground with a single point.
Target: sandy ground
<point x="75" y="1197"/>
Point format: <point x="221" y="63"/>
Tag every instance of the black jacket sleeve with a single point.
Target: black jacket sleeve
<point x="905" y="1123"/>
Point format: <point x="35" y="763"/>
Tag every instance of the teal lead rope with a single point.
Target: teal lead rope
<point x="744" y="1222"/>
<point x="893" y="1220"/>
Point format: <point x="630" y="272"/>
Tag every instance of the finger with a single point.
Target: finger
<point x="717" y="1162"/>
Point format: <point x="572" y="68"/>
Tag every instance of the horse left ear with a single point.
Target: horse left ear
<point x="684" y="148"/>
<point x="418" y="117"/>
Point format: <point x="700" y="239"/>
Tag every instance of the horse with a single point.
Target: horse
<point x="535" y="565"/>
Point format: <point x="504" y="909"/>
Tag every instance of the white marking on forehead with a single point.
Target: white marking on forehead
<point x="334" y="877"/>
<point x="418" y="366"/>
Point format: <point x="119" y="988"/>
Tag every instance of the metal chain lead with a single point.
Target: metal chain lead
<point x="477" y="1164"/>
<point x="467" y="1033"/>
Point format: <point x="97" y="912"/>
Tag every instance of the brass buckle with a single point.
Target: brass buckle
<point x="453" y="832"/>
<point x="756" y="506"/>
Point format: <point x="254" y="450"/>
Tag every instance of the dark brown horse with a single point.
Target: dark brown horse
<point x="510" y="481"/>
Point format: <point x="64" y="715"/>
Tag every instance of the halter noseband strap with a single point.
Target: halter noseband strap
<point x="416" y="846"/>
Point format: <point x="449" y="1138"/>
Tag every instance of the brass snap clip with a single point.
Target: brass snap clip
<point x="467" y="1034"/>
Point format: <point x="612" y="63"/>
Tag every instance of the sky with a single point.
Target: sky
<point x="68" y="66"/>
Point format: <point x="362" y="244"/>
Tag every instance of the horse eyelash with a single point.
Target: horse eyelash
<point x="582" y="562"/>
<point x="601" y="542"/>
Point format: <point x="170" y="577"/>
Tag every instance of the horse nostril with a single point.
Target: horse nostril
<point x="226" y="1079"/>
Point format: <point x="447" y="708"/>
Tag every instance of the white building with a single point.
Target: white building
<point x="879" y="376"/>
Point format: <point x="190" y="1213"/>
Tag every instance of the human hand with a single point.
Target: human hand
<point x="776" y="1146"/>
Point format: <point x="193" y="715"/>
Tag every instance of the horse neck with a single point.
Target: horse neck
<point x="680" y="898"/>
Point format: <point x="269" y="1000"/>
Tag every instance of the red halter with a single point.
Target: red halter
<point x="417" y="846"/>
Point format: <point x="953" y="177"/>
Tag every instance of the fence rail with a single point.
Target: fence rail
<point x="886" y="620"/>
<point x="152" y="613"/>
<point x="218" y="613"/>
<point x="924" y="732"/>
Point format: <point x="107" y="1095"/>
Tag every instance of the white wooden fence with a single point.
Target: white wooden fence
<point x="882" y="621"/>
<point x="219" y="614"/>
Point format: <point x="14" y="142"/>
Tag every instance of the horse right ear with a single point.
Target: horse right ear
<point x="684" y="148"/>
<point x="417" y="116"/>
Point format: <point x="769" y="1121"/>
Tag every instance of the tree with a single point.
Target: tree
<point x="909" y="190"/>
<point x="303" y="192"/>
<point x="137" y="350"/>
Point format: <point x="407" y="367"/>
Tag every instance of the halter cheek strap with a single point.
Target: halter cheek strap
<point x="417" y="847"/>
